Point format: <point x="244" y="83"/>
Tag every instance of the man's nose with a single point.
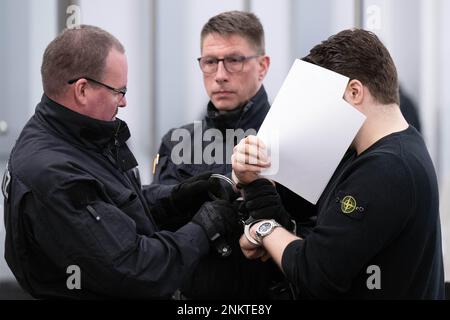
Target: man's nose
<point x="221" y="73"/>
<point x="123" y="102"/>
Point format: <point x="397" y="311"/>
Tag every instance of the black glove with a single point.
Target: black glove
<point x="190" y="194"/>
<point x="184" y="200"/>
<point x="220" y="221"/>
<point x="262" y="201"/>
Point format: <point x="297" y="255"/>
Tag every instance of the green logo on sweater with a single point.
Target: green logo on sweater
<point x="348" y="204"/>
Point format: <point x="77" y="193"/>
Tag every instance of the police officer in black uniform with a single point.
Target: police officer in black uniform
<point x="234" y="65"/>
<point x="378" y="233"/>
<point x="78" y="224"/>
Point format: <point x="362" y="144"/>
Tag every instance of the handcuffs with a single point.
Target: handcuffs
<point x="223" y="188"/>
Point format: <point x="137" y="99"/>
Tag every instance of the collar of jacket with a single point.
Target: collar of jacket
<point x="87" y="132"/>
<point x="249" y="116"/>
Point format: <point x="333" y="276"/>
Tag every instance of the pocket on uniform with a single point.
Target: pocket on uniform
<point x="114" y="231"/>
<point x="134" y="209"/>
<point x="125" y="197"/>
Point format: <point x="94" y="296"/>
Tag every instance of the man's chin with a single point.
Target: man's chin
<point x="225" y="106"/>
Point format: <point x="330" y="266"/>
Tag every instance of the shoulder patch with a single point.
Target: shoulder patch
<point x="350" y="205"/>
<point x="155" y="163"/>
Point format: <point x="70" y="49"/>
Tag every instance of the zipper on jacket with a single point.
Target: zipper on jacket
<point x="116" y="143"/>
<point x="93" y="212"/>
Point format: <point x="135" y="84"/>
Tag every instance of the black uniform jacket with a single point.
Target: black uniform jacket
<point x="250" y="116"/>
<point x="74" y="202"/>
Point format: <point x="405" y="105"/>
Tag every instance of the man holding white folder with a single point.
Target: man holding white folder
<point x="377" y="234"/>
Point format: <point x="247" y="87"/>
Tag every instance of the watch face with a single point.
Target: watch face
<point x="263" y="228"/>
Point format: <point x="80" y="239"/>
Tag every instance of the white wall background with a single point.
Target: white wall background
<point x="165" y="83"/>
<point x="443" y="127"/>
<point x="131" y="21"/>
<point x="25" y="31"/>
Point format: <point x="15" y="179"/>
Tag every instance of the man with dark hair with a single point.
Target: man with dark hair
<point x="78" y="224"/>
<point x="378" y="233"/>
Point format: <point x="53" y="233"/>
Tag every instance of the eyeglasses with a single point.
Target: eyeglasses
<point x="121" y="91"/>
<point x="232" y="63"/>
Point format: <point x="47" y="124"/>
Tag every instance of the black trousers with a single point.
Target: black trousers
<point x="234" y="277"/>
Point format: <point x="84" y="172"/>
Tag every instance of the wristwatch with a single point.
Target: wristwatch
<point x="265" y="228"/>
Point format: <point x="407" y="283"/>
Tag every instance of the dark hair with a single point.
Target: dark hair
<point x="245" y="24"/>
<point x="78" y="52"/>
<point x="359" y="54"/>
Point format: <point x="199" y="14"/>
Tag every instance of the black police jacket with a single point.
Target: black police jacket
<point x="77" y="222"/>
<point x="247" y="118"/>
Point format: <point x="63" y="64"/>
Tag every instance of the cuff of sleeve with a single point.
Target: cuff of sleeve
<point x="155" y="192"/>
<point x="163" y="211"/>
<point x="199" y="238"/>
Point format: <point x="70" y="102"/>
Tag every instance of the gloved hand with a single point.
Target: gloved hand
<point x="220" y="221"/>
<point x="262" y="201"/>
<point x="189" y="195"/>
<point x="181" y="203"/>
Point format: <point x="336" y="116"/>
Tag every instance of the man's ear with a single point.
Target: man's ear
<point x="354" y="93"/>
<point x="80" y="91"/>
<point x="264" y="64"/>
